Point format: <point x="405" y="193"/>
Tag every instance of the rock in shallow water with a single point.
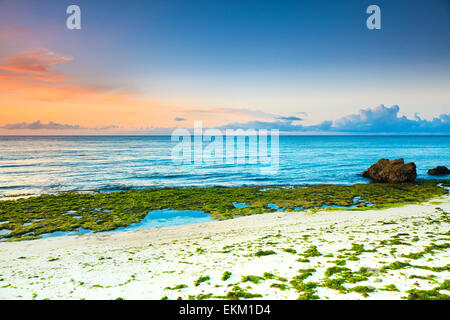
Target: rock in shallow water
<point x="391" y="171"/>
<point x="439" y="171"/>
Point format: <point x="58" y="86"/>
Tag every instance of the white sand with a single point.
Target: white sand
<point x="141" y="264"/>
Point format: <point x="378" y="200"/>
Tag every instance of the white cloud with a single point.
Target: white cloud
<point x="380" y="119"/>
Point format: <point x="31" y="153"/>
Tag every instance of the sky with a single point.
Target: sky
<point x="143" y="67"/>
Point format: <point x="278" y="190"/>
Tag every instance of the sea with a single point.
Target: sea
<point x="50" y="164"/>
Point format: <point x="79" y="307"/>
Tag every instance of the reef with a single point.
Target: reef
<point x="30" y="218"/>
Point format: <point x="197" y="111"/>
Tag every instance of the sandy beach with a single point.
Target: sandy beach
<point x="263" y="256"/>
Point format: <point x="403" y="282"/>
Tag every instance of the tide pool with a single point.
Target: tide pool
<point x="154" y="219"/>
<point x="167" y="218"/>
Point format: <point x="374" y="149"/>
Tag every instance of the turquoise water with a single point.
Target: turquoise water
<point x="50" y="164"/>
<point x="154" y="219"/>
<point x="240" y="205"/>
<point x="168" y="218"/>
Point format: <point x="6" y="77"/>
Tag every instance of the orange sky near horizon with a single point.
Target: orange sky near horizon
<point x="32" y="88"/>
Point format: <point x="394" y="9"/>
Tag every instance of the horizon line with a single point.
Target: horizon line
<point x="281" y="135"/>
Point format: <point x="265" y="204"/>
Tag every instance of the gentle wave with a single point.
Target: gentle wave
<point x="51" y="164"/>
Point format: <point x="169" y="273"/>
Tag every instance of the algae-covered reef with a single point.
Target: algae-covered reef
<point x="31" y="217"/>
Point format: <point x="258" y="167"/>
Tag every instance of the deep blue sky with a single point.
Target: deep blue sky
<point x="236" y="34"/>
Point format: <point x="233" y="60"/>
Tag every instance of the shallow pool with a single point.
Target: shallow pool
<point x="154" y="219"/>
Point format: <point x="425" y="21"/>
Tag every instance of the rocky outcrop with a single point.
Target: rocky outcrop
<point x="439" y="171"/>
<point x="391" y="171"/>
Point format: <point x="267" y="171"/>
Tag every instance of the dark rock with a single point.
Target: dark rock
<point x="439" y="171"/>
<point x="391" y="171"/>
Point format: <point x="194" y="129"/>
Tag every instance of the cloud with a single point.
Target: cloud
<point x="383" y="119"/>
<point x="38" y="125"/>
<point x="291" y="118"/>
<point x="378" y="120"/>
<point x="34" y="61"/>
<point x="109" y="127"/>
<point x="238" y="116"/>
<point x="280" y="125"/>
<point x="179" y="119"/>
<point x="31" y="85"/>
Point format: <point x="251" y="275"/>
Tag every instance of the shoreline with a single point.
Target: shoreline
<point x="31" y="218"/>
<point x="344" y="254"/>
<point x="6" y="197"/>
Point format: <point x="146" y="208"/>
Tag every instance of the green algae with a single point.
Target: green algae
<point x="433" y="294"/>
<point x="290" y="250"/>
<point x="280" y="286"/>
<point x="261" y="253"/>
<point x="252" y="278"/>
<point x="395" y="266"/>
<point x="226" y="275"/>
<point x="268" y="275"/>
<point x="29" y="218"/>
<point x="333" y="270"/>
<point x="363" y="290"/>
<point x="345" y="275"/>
<point x="177" y="287"/>
<point x="312" y="251"/>
<point x="390" y="287"/>
<point x="307" y="290"/>
<point x="428" y="250"/>
<point x="237" y="292"/>
<point x="201" y="279"/>
<point x="200" y="296"/>
<point x="304" y="273"/>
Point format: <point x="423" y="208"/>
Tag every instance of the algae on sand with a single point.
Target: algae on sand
<point x="29" y="218"/>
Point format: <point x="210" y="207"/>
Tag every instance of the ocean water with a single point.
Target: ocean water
<point x="36" y="165"/>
